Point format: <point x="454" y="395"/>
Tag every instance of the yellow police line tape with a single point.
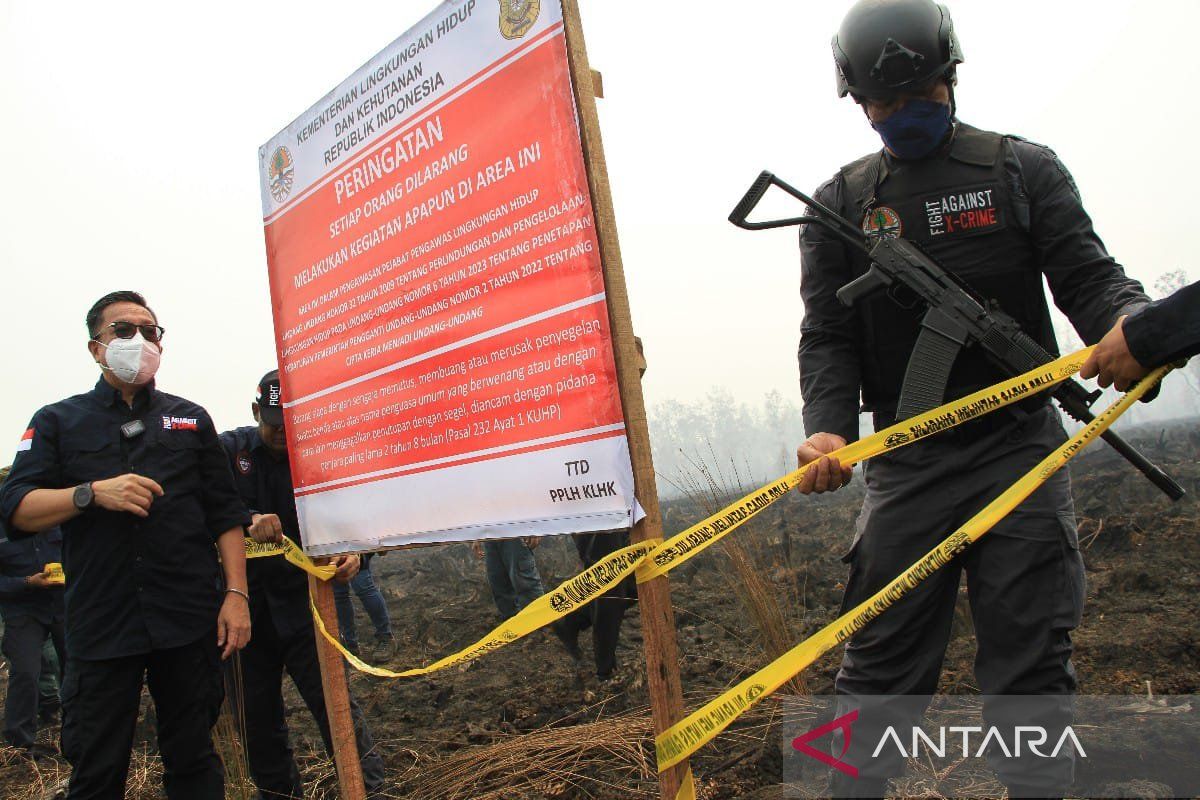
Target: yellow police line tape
<point x="292" y="552"/>
<point x="572" y="594"/>
<point x="651" y="558"/>
<point x="698" y="728"/>
<point x="54" y="574"/>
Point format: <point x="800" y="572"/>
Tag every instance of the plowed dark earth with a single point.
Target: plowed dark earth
<point x="467" y="732"/>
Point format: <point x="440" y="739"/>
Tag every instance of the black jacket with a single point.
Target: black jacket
<point x="1041" y="229"/>
<point x="20" y="558"/>
<point x="1166" y="330"/>
<point x="278" y="590"/>
<point x="133" y="584"/>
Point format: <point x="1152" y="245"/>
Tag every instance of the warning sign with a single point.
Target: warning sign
<point x="438" y="297"/>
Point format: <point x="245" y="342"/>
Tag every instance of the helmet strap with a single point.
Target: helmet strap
<point x="951" y="81"/>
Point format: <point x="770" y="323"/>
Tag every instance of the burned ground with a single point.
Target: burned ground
<point x="525" y="723"/>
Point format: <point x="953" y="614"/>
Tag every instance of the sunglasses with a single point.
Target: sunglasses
<point x="127" y="330"/>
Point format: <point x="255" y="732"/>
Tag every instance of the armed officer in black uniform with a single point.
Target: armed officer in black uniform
<point x="284" y="637"/>
<point x="1002" y="213"/>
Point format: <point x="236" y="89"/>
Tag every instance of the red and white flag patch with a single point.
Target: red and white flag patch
<point x="26" y="441"/>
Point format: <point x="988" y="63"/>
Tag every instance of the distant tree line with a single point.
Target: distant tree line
<point x="741" y="444"/>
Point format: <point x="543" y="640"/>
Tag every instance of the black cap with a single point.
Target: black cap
<point x="270" y="399"/>
<point x="889" y="46"/>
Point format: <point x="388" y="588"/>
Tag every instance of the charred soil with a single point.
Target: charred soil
<point x="527" y="722"/>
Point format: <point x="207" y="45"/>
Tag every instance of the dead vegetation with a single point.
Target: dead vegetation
<point x="602" y="757"/>
<point x="524" y="723"/>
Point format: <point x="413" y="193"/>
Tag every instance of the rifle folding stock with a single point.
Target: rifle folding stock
<point x="955" y="318"/>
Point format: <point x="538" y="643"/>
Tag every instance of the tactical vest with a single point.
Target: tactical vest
<point x="965" y="211"/>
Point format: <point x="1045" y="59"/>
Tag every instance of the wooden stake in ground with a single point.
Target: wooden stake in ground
<point x="654" y="597"/>
<point x="337" y="697"/>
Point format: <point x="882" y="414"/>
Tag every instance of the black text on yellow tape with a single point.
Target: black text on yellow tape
<point x="568" y="596"/>
<point x="684" y="545"/>
<point x="687" y="736"/>
<point x="288" y="549"/>
<point x="54" y="574"/>
<point x="648" y="562"/>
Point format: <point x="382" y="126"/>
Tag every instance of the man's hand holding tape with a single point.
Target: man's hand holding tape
<point x="830" y="474"/>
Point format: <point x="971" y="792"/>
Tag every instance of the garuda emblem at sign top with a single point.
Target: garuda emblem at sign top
<point x="517" y="17"/>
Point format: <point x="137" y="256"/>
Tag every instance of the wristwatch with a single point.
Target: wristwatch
<point x="83" y="496"/>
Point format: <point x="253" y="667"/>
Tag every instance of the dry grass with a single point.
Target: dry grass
<point x="602" y="758"/>
<point x="710" y="489"/>
<point x="37" y="780"/>
<point x="23" y="779"/>
<point x="27" y="780"/>
<point x="229" y="735"/>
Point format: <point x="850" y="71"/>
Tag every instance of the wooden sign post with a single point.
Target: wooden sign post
<point x="337" y="696"/>
<point x="654" y="597"/>
<point x="429" y="130"/>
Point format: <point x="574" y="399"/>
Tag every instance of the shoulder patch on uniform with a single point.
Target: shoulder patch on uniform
<point x="26" y="441"/>
<point x="883" y="222"/>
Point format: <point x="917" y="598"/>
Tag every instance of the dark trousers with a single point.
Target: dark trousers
<point x="604" y="614"/>
<point x="272" y="763"/>
<point x="373" y="603"/>
<point x="513" y="575"/>
<point x="24" y="640"/>
<point x="49" y="701"/>
<point x="101" y="700"/>
<point x="1025" y="584"/>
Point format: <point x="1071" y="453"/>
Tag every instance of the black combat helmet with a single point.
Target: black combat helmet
<point x="888" y="46"/>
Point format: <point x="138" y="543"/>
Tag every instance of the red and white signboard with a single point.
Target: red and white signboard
<point x="439" y="303"/>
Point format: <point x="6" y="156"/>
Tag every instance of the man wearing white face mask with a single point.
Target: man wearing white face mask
<point x="142" y="490"/>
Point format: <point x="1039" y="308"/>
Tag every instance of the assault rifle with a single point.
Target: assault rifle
<point x="955" y="318"/>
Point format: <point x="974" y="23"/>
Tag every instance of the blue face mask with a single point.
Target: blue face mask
<point x="916" y="129"/>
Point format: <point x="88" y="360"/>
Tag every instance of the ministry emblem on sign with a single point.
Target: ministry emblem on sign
<point x="517" y="17"/>
<point x="881" y="221"/>
<point x="279" y="173"/>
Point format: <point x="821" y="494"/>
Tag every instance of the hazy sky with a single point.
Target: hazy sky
<point x="131" y="132"/>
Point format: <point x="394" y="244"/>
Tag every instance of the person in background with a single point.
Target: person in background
<point x="512" y="572"/>
<point x="285" y="638"/>
<point x="31" y="605"/>
<point x="49" y="685"/>
<point x="372" y="600"/>
<point x="139" y="484"/>
<point x="605" y="614"/>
